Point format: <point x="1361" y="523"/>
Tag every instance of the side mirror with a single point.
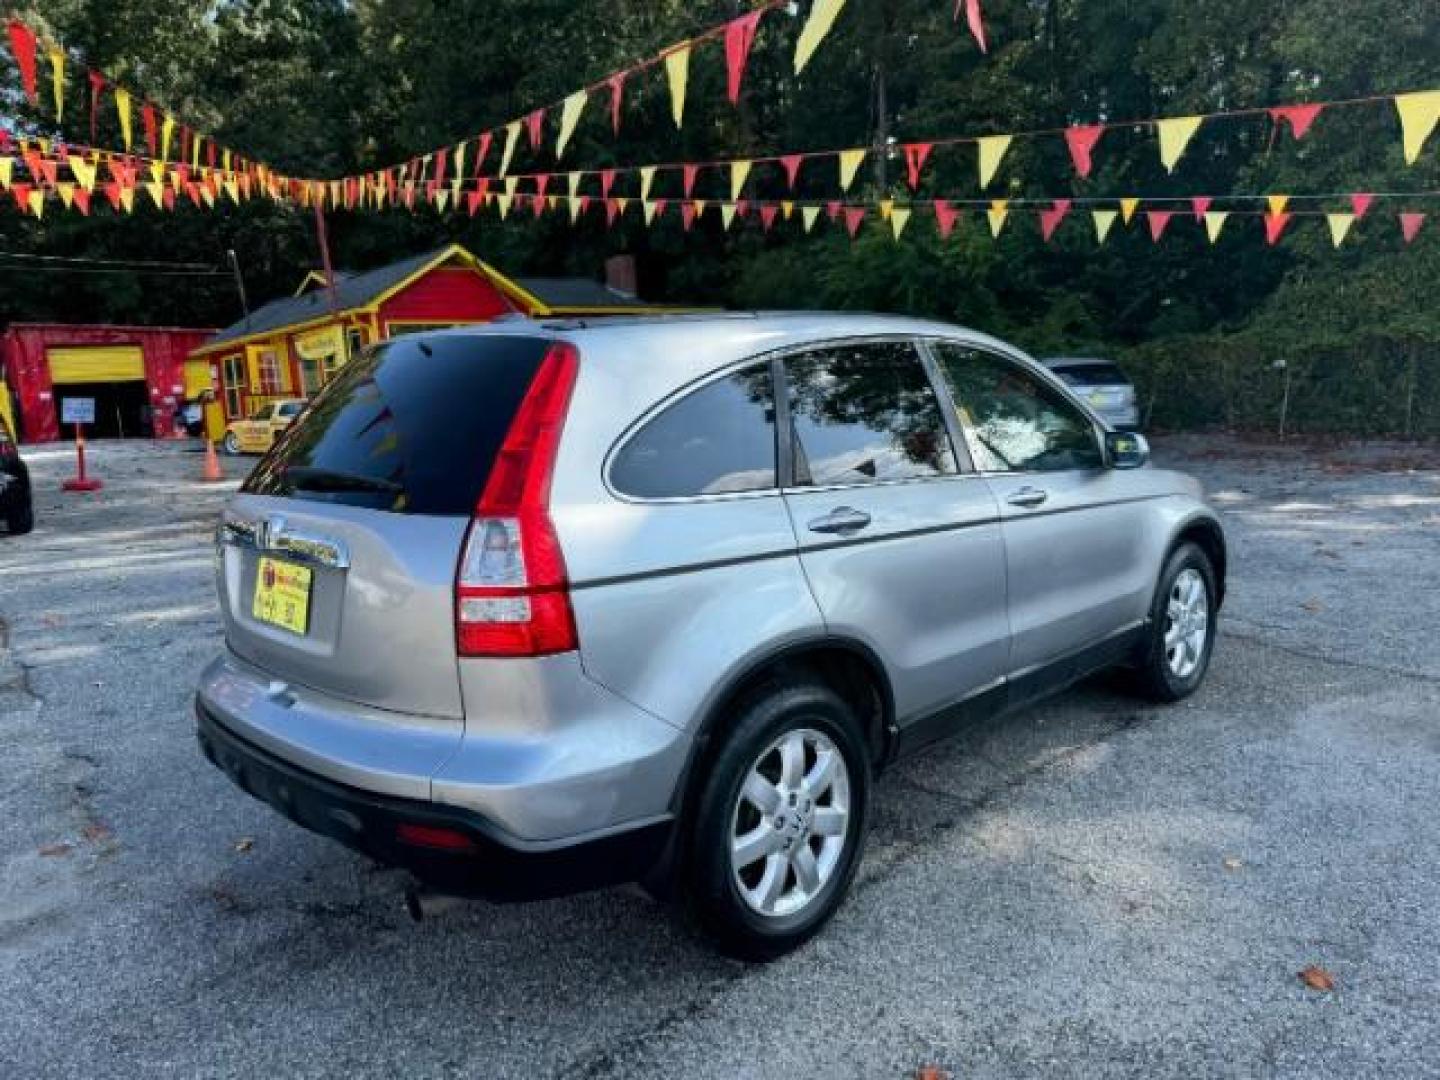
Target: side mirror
<point x="1126" y="449"/>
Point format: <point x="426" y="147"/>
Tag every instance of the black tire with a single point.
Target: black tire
<point x="231" y="444"/>
<point x="707" y="878"/>
<point x="21" y="520"/>
<point x="1156" y="679"/>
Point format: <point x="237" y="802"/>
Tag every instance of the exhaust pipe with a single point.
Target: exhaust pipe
<point x="422" y="904"/>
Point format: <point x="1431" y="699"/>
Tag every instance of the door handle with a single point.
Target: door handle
<point x="842" y="520"/>
<point x="1027" y="497"/>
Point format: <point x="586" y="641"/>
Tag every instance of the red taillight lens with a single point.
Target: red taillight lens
<point x="433" y="836"/>
<point x="511" y="591"/>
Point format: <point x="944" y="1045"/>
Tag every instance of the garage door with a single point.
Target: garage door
<point x="96" y="364"/>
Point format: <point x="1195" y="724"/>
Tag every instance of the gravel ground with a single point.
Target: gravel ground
<point x="1095" y="888"/>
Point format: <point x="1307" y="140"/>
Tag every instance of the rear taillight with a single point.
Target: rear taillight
<point x="511" y="592"/>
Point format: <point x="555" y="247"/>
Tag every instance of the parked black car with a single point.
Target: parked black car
<point x="16" y="508"/>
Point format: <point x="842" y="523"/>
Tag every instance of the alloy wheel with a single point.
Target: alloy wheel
<point x="1187" y="623"/>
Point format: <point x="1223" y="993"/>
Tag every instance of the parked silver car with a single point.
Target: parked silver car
<point x="1103" y="386"/>
<point x="540" y="606"/>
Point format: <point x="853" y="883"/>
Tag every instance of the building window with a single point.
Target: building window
<point x="233" y="383"/>
<point x="269" y="364"/>
<point x="354" y="341"/>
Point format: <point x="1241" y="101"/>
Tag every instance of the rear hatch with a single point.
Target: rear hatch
<point x="1103" y="385"/>
<point x="338" y="556"/>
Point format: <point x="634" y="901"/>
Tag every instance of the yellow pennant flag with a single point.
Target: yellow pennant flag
<point x="551" y="202"/>
<point x="1277" y="204"/>
<point x="998" y="212"/>
<point x="512" y="136"/>
<point x="809" y="215"/>
<point x="1214" y="222"/>
<point x="1175" y="135"/>
<point x="739" y="170"/>
<point x="232" y="188"/>
<point x="1128" y="208"/>
<point x="698" y="205"/>
<point x="992" y="149"/>
<point x="157" y="172"/>
<point x="208" y="195"/>
<point x="37" y="202"/>
<point x="442" y="199"/>
<point x="649" y="209"/>
<point x="887" y="207"/>
<point x="727" y="214"/>
<point x="849" y="165"/>
<point x="157" y="194"/>
<point x="575" y="207"/>
<point x="57" y="79"/>
<point x="572" y="183"/>
<point x="823" y="14"/>
<point x="195" y="151"/>
<point x="67" y="194"/>
<point x="454" y="184"/>
<point x="570" y="116"/>
<point x="7" y="170"/>
<point x="511" y="183"/>
<point x="787" y="208"/>
<point x="621" y="205"/>
<point x="677" y="69"/>
<point x="647" y="177"/>
<point x="167" y="132"/>
<point x="502" y="203"/>
<point x="1104" y="219"/>
<point x="899" y="218"/>
<point x="1418" y="116"/>
<point x="1339" y="226"/>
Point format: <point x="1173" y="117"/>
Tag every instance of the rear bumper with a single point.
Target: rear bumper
<point x="477" y="858"/>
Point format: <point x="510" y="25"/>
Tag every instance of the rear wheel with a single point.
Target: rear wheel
<point x="780" y="821"/>
<point x="21" y="519"/>
<point x="1182" y="627"/>
<point x="231" y="444"/>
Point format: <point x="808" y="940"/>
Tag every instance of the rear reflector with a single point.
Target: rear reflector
<point x="511" y="590"/>
<point x="433" y="836"/>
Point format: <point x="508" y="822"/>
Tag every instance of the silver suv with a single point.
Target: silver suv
<point x="535" y="607"/>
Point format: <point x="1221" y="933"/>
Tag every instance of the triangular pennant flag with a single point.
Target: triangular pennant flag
<point x="66" y="193"/>
<point x="945" y="216"/>
<point x="687" y="215"/>
<point x="739" y="39"/>
<point x="808" y="216"/>
<point x="442" y="199"/>
<point x="482" y="151"/>
<point x="974" y="20"/>
<point x="616" y="83"/>
<point x="157" y="194"/>
<point x="472" y="201"/>
<point x="612" y="211"/>
<point x="607" y="181"/>
<point x="992" y="149"/>
<point x="1360" y="203"/>
<point x="37" y="203"/>
<point x="122" y="106"/>
<point x="82" y="201"/>
<point x="7" y="169"/>
<point x="1158" y="220"/>
<point x="535" y="127"/>
<point x="727" y="214"/>
<point x="1200" y="206"/>
<point x="1104" y="220"/>
<point x="834" y="208"/>
<point x="570" y="116"/>
<point x="916" y="155"/>
<point x="677" y="72"/>
<point x="572" y="183"/>
<point x="232" y="188"/>
<point x="1128" y="208"/>
<point x="850" y="161"/>
<point x="792" y="163"/>
<point x="854" y="218"/>
<point x="57" y="81"/>
<point x="512" y="136"/>
<point x="1418" y="115"/>
<point x="823" y="14"/>
<point x="22" y="44"/>
<point x="1299" y="117"/>
<point x="787" y="208"/>
<point x="502" y="203"/>
<point x="1175" y="135"/>
<point x="157" y="172"/>
<point x="1339" y="226"/>
<point x="167" y="132"/>
<point x="998" y="212"/>
<point x="542" y="183"/>
<point x="899" y="218"/>
<point x="739" y="171"/>
<point x="1277" y="203"/>
<point x="1050" y="219"/>
<point x="886" y="206"/>
<point x="1275" y="223"/>
<point x="1081" y="140"/>
<point x="1410" y="225"/>
<point x="21" y="194"/>
<point x="650" y="209"/>
<point x="689" y="172"/>
<point x="767" y="215"/>
<point x="647" y="179"/>
<point x="112" y="192"/>
<point x="152" y="132"/>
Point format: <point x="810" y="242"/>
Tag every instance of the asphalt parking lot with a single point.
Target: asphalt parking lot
<point x="1095" y="888"/>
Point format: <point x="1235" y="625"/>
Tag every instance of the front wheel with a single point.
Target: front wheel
<point x="780" y="821"/>
<point x="21" y="520"/>
<point x="231" y="444"/>
<point x="1182" y="627"/>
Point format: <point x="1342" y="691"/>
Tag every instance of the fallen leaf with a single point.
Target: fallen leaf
<point x="1312" y="605"/>
<point x="1317" y="978"/>
<point x="50" y="851"/>
<point x="930" y="1072"/>
<point x="244" y="845"/>
<point x="1232" y="863"/>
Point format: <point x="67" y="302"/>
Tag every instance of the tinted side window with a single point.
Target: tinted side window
<point x="865" y="413"/>
<point x="717" y="440"/>
<point x="1020" y="423"/>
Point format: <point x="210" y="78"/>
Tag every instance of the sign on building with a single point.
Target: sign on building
<point x="77" y="410"/>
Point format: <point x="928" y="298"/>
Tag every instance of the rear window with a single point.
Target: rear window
<point x="412" y="426"/>
<point x="1091" y="374"/>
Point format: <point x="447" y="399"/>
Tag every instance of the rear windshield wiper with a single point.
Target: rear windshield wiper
<point x="310" y="478"/>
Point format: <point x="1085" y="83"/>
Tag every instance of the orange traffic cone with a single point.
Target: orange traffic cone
<point x="212" y="471"/>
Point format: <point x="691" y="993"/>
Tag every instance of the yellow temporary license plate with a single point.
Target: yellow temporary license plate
<point x="282" y="595"/>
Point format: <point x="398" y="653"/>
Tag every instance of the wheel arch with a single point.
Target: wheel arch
<point x="1204" y="531"/>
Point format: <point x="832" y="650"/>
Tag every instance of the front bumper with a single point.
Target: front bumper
<point x="476" y="857"/>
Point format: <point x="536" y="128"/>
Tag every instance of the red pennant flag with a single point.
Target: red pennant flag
<point x="482" y="150"/>
<point x="1200" y="204"/>
<point x="193" y="191"/>
<point x="168" y="198"/>
<point x="854" y="216"/>
<point x="147" y="117"/>
<point x="945" y="216"/>
<point x="22" y="44"/>
<point x="4" y="141"/>
<point x="739" y="38"/>
<point x="1299" y="117"/>
<point x="687" y="214"/>
<point x="1050" y="219"/>
<point x="534" y="123"/>
<point x="21" y="195"/>
<point x="474" y="200"/>
<point x="97" y="84"/>
<point x="408" y="196"/>
<point x="607" y="181"/>
<point x="612" y="211"/>
<point x="542" y="184"/>
<point x="916" y="155"/>
<point x="690" y="173"/>
<point x="767" y="215"/>
<point x="833" y="209"/>
<point x="210" y="153"/>
<point x="112" y="192"/>
<point x="36" y="164"/>
<point x="1410" y="225"/>
<point x="1158" y="219"/>
<point x="1360" y="203"/>
<point x="974" y="20"/>
<point x="82" y="200"/>
<point x="1081" y="140"/>
<point x="537" y="204"/>
<point x="1275" y="225"/>
<point x="616" y="83"/>
<point x="584" y="203"/>
<point x="442" y="157"/>
<point x="742" y="207"/>
<point x="792" y="163"/>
